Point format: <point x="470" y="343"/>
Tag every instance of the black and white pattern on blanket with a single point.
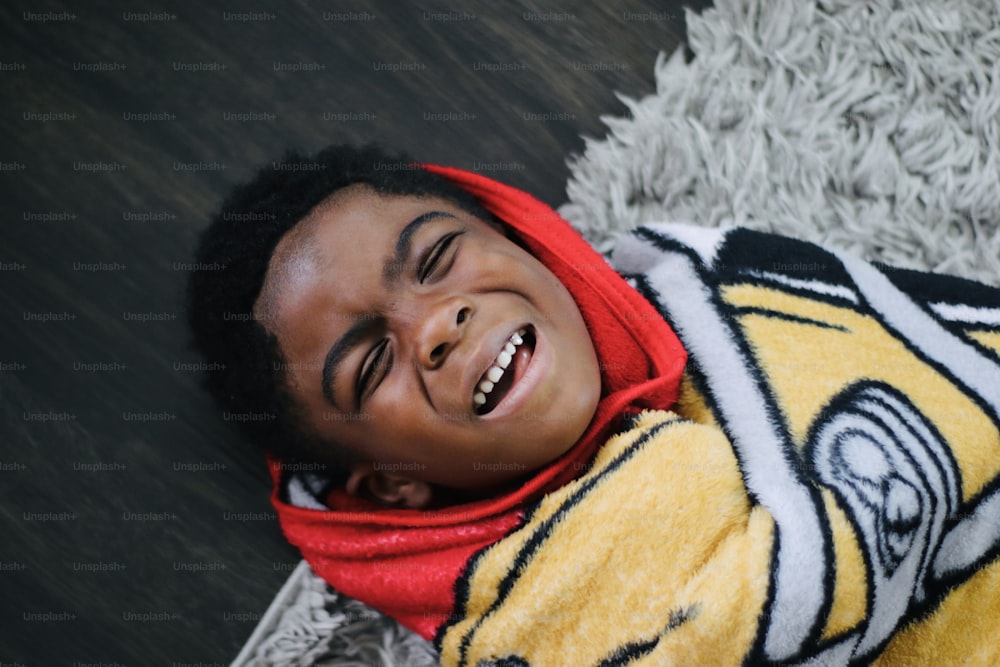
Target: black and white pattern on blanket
<point x="888" y="464"/>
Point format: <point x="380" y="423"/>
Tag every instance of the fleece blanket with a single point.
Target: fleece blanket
<point x="826" y="491"/>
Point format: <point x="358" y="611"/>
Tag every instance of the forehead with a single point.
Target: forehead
<point x="346" y="238"/>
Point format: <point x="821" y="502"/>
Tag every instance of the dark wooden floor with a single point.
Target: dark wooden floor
<point x="135" y="525"/>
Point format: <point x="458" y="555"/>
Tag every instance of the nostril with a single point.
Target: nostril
<point x="437" y="353"/>
<point x="463" y="315"/>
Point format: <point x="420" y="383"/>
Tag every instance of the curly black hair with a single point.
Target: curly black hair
<point x="230" y="265"/>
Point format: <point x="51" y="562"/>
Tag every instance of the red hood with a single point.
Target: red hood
<point x="405" y="562"/>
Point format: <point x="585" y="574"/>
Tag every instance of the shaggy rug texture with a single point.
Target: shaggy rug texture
<point x="868" y="126"/>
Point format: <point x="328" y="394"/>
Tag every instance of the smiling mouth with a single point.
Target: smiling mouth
<point x="506" y="369"/>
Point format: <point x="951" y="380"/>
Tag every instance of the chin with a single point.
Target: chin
<point x="585" y="408"/>
<point x="564" y="442"/>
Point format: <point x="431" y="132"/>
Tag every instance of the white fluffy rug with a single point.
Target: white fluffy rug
<point x="309" y="624"/>
<point x="871" y="126"/>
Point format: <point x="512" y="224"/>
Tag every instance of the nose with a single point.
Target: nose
<point x="440" y="328"/>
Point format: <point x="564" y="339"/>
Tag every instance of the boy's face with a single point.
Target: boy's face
<point x="394" y="313"/>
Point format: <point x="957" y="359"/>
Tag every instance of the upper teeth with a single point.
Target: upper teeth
<point x="496" y="371"/>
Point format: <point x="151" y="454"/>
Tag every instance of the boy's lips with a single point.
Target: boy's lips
<point x="504" y="371"/>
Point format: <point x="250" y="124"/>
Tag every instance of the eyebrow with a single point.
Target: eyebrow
<point x="392" y="269"/>
<point x="358" y="332"/>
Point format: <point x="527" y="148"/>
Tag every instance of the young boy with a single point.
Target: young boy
<point x="401" y="335"/>
<point x="458" y="361"/>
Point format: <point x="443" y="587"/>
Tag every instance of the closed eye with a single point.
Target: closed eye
<point x="435" y="256"/>
<point x="373" y="370"/>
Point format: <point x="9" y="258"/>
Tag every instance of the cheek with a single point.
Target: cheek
<point x="545" y="284"/>
<point x="351" y="433"/>
<point x="506" y="264"/>
<point x="389" y="429"/>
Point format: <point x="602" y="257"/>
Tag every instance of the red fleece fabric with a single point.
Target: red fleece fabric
<point x="404" y="562"/>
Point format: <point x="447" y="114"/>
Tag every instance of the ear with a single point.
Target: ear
<point x="387" y="488"/>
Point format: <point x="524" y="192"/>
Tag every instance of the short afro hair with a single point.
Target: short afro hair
<point x="231" y="262"/>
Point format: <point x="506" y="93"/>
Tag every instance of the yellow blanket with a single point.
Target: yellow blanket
<point x="826" y="492"/>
